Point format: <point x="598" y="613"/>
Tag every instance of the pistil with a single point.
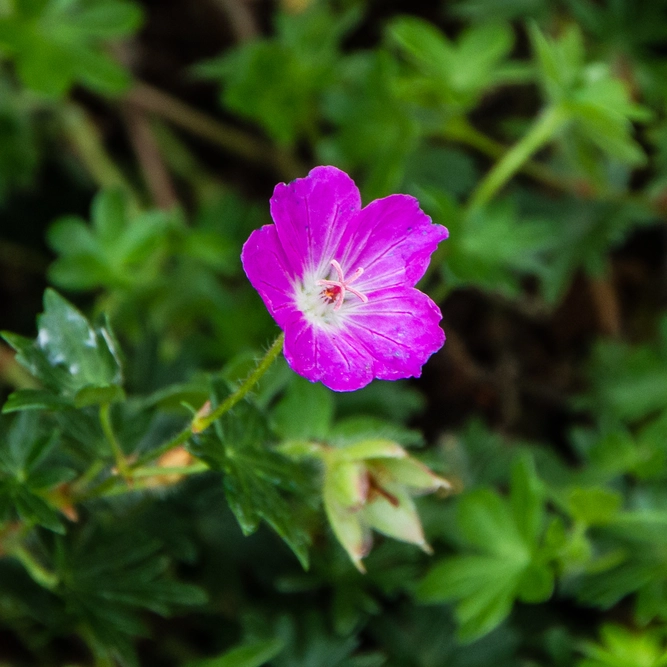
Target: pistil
<point x="334" y="291"/>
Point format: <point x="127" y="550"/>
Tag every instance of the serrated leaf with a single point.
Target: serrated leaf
<point x="26" y="469"/>
<point x="276" y="82"/>
<point x="108" y="576"/>
<point x="484" y="585"/>
<point x="34" y="510"/>
<point x="69" y="356"/>
<point x="583" y="234"/>
<point x="57" y="44"/>
<point x="374" y="130"/>
<point x="629" y="382"/>
<point x="507" y="563"/>
<point x="629" y="648"/>
<point x="258" y="480"/>
<point x="494" y="247"/>
<point x="536" y="584"/>
<point x="46" y="478"/>
<point x="526" y="499"/>
<point x="118" y="249"/>
<point x="598" y="105"/>
<point x="454" y="73"/>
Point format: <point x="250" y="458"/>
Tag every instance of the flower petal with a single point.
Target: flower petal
<point x="399" y="521"/>
<point x="332" y="358"/>
<point x="399" y="327"/>
<point x="311" y="216"/>
<point x="392" y="239"/>
<point x="266" y="266"/>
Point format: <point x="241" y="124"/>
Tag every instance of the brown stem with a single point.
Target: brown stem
<point x="605" y="302"/>
<point x="241" y="19"/>
<point x="86" y="140"/>
<point x="237" y="141"/>
<point x="12" y="373"/>
<point x="145" y="146"/>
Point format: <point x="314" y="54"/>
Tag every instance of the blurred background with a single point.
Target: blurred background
<point x="139" y="145"/>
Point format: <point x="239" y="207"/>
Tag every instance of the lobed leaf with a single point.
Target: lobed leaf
<point x="78" y="364"/>
<point x="259" y="482"/>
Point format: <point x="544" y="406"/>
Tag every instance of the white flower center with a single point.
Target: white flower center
<point x="321" y="299"/>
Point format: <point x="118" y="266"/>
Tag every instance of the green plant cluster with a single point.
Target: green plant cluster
<point x="168" y="499"/>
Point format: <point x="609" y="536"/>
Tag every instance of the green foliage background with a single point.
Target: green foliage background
<point x="139" y="143"/>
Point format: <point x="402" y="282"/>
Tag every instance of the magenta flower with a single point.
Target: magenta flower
<point x="340" y="280"/>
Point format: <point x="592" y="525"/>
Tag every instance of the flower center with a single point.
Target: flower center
<point x="334" y="290"/>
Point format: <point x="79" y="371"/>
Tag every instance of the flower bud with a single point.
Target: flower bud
<point x="368" y="485"/>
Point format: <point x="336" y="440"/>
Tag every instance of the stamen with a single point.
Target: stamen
<point x="335" y="289"/>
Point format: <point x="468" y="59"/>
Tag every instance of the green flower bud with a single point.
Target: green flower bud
<point x="368" y="485"/>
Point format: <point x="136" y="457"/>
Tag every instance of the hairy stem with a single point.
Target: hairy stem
<point x="544" y="128"/>
<point x="201" y="421"/>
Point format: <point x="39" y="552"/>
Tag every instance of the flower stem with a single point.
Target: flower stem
<point x="200" y="423"/>
<point x="119" y="455"/>
<point x="544" y="128"/>
<point x="461" y="131"/>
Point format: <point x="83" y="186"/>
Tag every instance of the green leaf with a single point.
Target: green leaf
<point x="260" y="483"/>
<point x="56" y="44"/>
<point x="34" y="510"/>
<point x="593" y="506"/>
<point x="620" y="647"/>
<point x="536" y="584"/>
<point x="454" y="74"/>
<point x="247" y="655"/>
<point x="109" y="576"/>
<point x="583" y="234"/>
<point x="446" y="169"/>
<point x="118" y="249"/>
<point x="636" y="541"/>
<point x="69" y="356"/>
<point x="27" y="468"/>
<point x="97" y="395"/>
<point x="485" y="587"/>
<point x="397" y="402"/>
<point x="526" y="499"/>
<point x="599" y="105"/>
<point x="276" y="82"/>
<point x="305" y="411"/>
<point x="629" y="381"/>
<point x="35" y="399"/>
<point x="508" y="561"/>
<point x="106" y="20"/>
<point x="373" y="130"/>
<point x="492" y="248"/>
<point x="354" y="429"/>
